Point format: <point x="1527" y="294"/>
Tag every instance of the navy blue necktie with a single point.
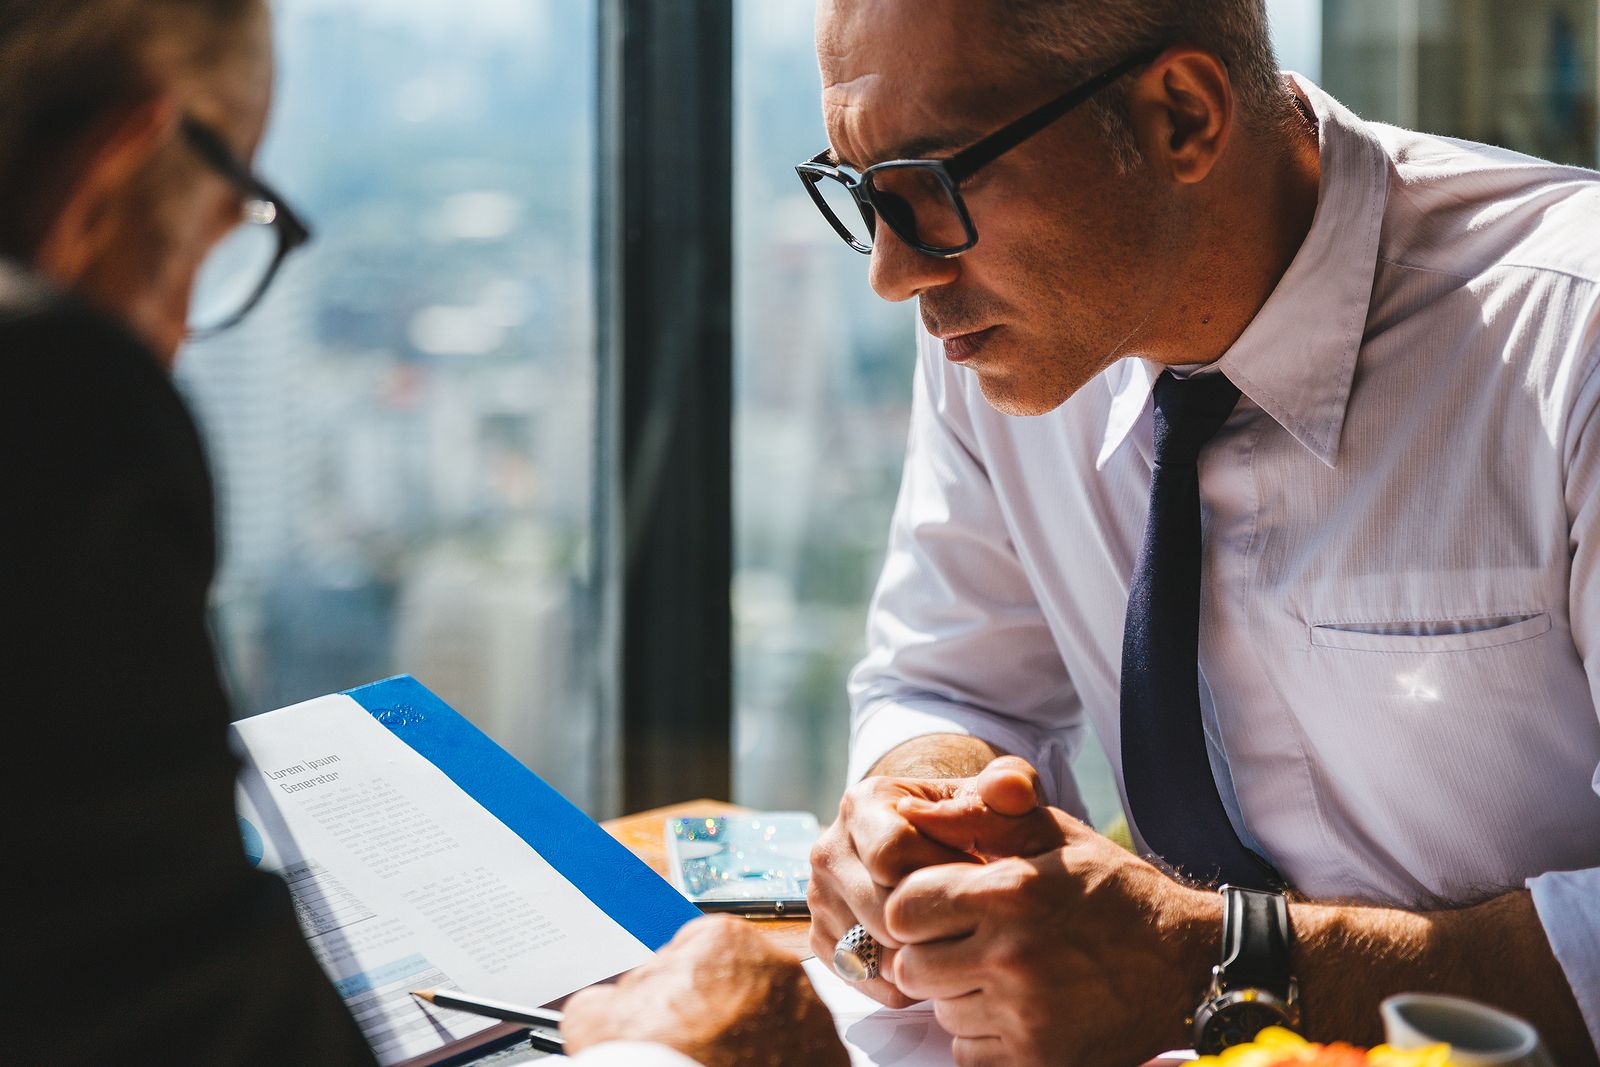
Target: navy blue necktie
<point x="1171" y="790"/>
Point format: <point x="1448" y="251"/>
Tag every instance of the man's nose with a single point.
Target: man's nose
<point x="899" y="272"/>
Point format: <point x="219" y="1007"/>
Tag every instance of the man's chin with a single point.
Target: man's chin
<point x="1010" y="397"/>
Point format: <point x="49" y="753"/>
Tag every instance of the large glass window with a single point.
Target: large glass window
<point x="404" y="433"/>
<point x="1520" y="75"/>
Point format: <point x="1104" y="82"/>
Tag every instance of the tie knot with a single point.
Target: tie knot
<point x="1188" y="413"/>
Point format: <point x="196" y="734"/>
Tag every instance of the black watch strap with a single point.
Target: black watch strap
<point x="1255" y="940"/>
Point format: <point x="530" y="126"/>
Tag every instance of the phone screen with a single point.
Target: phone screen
<point x="756" y="857"/>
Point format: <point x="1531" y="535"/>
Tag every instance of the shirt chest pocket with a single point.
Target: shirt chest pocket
<point x="1449" y="634"/>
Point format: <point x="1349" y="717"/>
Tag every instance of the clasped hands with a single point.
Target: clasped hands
<point x="1037" y="939"/>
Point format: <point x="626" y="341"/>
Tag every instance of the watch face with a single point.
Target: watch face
<point x="1239" y="1022"/>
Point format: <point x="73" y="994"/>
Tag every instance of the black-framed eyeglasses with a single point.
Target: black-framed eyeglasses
<point x="920" y="199"/>
<point x="240" y="270"/>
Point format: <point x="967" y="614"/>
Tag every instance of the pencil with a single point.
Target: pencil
<point x="542" y="1018"/>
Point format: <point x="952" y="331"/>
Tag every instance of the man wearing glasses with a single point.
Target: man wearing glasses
<point x="1260" y="439"/>
<point x="135" y="930"/>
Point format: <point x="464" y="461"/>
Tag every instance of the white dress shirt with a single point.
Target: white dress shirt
<point x="1400" y="627"/>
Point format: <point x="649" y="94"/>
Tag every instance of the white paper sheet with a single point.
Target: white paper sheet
<point x="402" y="881"/>
<point x="877" y="1036"/>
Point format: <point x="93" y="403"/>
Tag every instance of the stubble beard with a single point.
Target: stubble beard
<point x="1037" y="388"/>
<point x="1041" y="358"/>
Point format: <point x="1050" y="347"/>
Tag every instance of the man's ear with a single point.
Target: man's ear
<point x="1182" y="109"/>
<point x="94" y="177"/>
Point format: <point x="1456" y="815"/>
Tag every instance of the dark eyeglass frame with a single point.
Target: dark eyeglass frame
<point x="951" y="172"/>
<point x="291" y="230"/>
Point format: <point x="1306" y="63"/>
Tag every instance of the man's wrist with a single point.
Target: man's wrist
<point x="1253" y="986"/>
<point x="1198" y="925"/>
<point x="1190" y="920"/>
<point x="936" y="756"/>
<point x="1349" y="957"/>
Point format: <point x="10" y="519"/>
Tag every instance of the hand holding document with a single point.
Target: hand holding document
<point x="422" y="856"/>
<point x="722" y="994"/>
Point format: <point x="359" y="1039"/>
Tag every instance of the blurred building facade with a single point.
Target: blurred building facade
<point x="1516" y="73"/>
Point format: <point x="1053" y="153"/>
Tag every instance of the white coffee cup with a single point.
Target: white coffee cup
<point x="1478" y="1035"/>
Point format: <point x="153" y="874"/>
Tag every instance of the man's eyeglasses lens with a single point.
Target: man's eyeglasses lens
<point x="920" y="206"/>
<point x="235" y="273"/>
<point x="915" y="200"/>
<point x="841" y="205"/>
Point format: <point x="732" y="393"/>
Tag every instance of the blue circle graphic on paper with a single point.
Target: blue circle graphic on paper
<point x="254" y="847"/>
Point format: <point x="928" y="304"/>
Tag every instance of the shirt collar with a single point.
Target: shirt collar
<point x="1297" y="358"/>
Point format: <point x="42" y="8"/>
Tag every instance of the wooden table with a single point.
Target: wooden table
<point x="643" y="836"/>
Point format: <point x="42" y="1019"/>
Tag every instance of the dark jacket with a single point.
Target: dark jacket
<point x="132" y="929"/>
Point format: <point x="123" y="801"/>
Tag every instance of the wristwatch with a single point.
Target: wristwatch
<point x="1251" y="989"/>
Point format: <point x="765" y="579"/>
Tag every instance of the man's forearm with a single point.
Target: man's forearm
<point x="936" y="756"/>
<point x="1349" y="958"/>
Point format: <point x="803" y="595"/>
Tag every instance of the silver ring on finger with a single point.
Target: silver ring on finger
<point x="857" y="955"/>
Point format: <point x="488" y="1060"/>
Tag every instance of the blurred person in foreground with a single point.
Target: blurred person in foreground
<point x="1262" y="440"/>
<point x="135" y="929"/>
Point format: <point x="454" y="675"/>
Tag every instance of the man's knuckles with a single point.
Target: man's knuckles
<point x="893" y="853"/>
<point x="831" y="844"/>
<point x="984" y="1052"/>
<point x="868" y="794"/>
<point x="1019" y="890"/>
<point x="910" y="974"/>
<point x="909" y="910"/>
<point x="832" y="857"/>
<point x="586" y="1013"/>
<point x="709" y="933"/>
<point x="967" y="824"/>
<point x="709" y="927"/>
<point x="957" y="1017"/>
<point x="847" y="804"/>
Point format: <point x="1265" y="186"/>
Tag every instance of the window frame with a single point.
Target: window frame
<point x="664" y="463"/>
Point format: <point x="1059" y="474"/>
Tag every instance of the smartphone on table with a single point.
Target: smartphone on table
<point x="755" y="864"/>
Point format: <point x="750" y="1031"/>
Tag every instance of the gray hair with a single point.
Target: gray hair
<point x="1075" y="39"/>
<point x="65" y="64"/>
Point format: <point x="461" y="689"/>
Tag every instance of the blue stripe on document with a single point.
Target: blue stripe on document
<point x="616" y="880"/>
